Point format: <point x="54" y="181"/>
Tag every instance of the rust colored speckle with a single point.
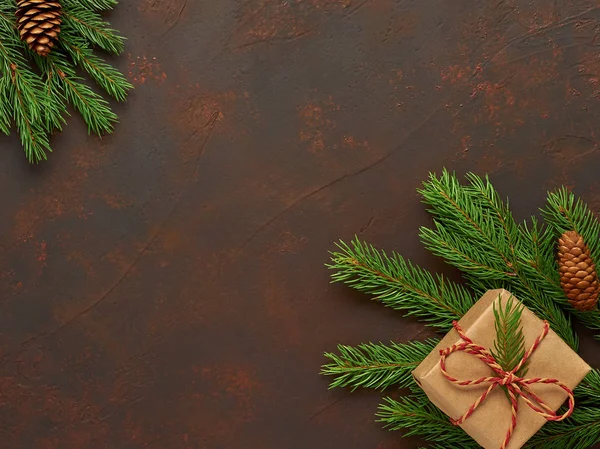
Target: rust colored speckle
<point x="208" y="214"/>
<point x="589" y="70"/>
<point x="42" y="255"/>
<point x="290" y="243"/>
<point x="456" y="74"/>
<point x="317" y="118"/>
<point x="353" y="143"/>
<point x="237" y="383"/>
<point x="116" y="201"/>
<point x="495" y="97"/>
<point x="144" y="70"/>
<point x="396" y="78"/>
<point x="279" y="21"/>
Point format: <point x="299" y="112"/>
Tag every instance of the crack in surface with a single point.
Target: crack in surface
<point x="174" y="24"/>
<point x="360" y="171"/>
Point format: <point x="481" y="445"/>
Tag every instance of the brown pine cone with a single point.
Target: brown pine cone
<point x="38" y="22"/>
<point x="578" y="277"/>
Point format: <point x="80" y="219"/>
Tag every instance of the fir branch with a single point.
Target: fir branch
<point x="509" y="345"/>
<point x="89" y="24"/>
<point x="445" y="243"/>
<point x="399" y="284"/>
<point x="536" y="258"/>
<point x="416" y="417"/>
<point x="5" y="109"/>
<point x="55" y="107"/>
<point x="94" y="109"/>
<point x="21" y="93"/>
<point x="464" y="223"/>
<point x="8" y="8"/>
<point x="580" y="431"/>
<point x="95" y="5"/>
<point x="587" y="392"/>
<point x="56" y="103"/>
<point x="376" y="366"/>
<point x="474" y="231"/>
<point x="107" y="77"/>
<point x="36" y="101"/>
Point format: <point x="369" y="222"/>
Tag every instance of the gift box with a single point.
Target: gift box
<point x="488" y="424"/>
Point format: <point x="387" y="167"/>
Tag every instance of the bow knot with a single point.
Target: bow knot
<point x="515" y="385"/>
<point x="509" y="379"/>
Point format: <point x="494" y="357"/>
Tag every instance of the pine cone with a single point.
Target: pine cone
<point x="39" y="24"/>
<point x="578" y="277"/>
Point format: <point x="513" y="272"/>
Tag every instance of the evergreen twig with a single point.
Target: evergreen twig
<point x="475" y="231"/>
<point x="399" y="284"/>
<point x="418" y="417"/>
<point x="587" y="392"/>
<point x="95" y="5"/>
<point x="89" y="24"/>
<point x="36" y="101"/>
<point x="580" y="431"/>
<point x="376" y="366"/>
<point x="509" y="344"/>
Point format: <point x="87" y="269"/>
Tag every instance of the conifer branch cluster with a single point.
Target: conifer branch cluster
<point x="36" y="91"/>
<point x="473" y="230"/>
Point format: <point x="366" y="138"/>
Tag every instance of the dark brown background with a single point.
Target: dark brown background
<point x="165" y="287"/>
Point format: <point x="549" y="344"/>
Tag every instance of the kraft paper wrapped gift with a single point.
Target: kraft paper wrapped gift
<point x="488" y="425"/>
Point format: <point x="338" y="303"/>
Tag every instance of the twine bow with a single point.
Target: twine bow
<point x="516" y="386"/>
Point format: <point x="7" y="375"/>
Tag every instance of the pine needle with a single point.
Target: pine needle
<point x="580" y="431"/>
<point x="417" y="417"/>
<point x="399" y="284"/>
<point x="376" y="366"/>
<point x="587" y="392"/>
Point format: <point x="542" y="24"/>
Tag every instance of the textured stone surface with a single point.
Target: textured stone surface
<point x="164" y="287"/>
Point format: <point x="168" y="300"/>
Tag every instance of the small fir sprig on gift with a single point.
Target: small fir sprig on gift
<point x="43" y="44"/>
<point x="474" y="231"/>
<point x="509" y="344"/>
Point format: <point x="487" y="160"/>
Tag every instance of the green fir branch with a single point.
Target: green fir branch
<point x="35" y="101"/>
<point x="465" y="230"/>
<point x="509" y="344"/>
<point x="107" y="77"/>
<point x="399" y="284"/>
<point x="5" y="106"/>
<point x="94" y="5"/>
<point x="22" y="94"/>
<point x="580" y="431"/>
<point x="474" y="231"/>
<point x="94" y="109"/>
<point x="587" y="392"/>
<point x="376" y="366"/>
<point x="89" y="24"/>
<point x="416" y="417"/>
